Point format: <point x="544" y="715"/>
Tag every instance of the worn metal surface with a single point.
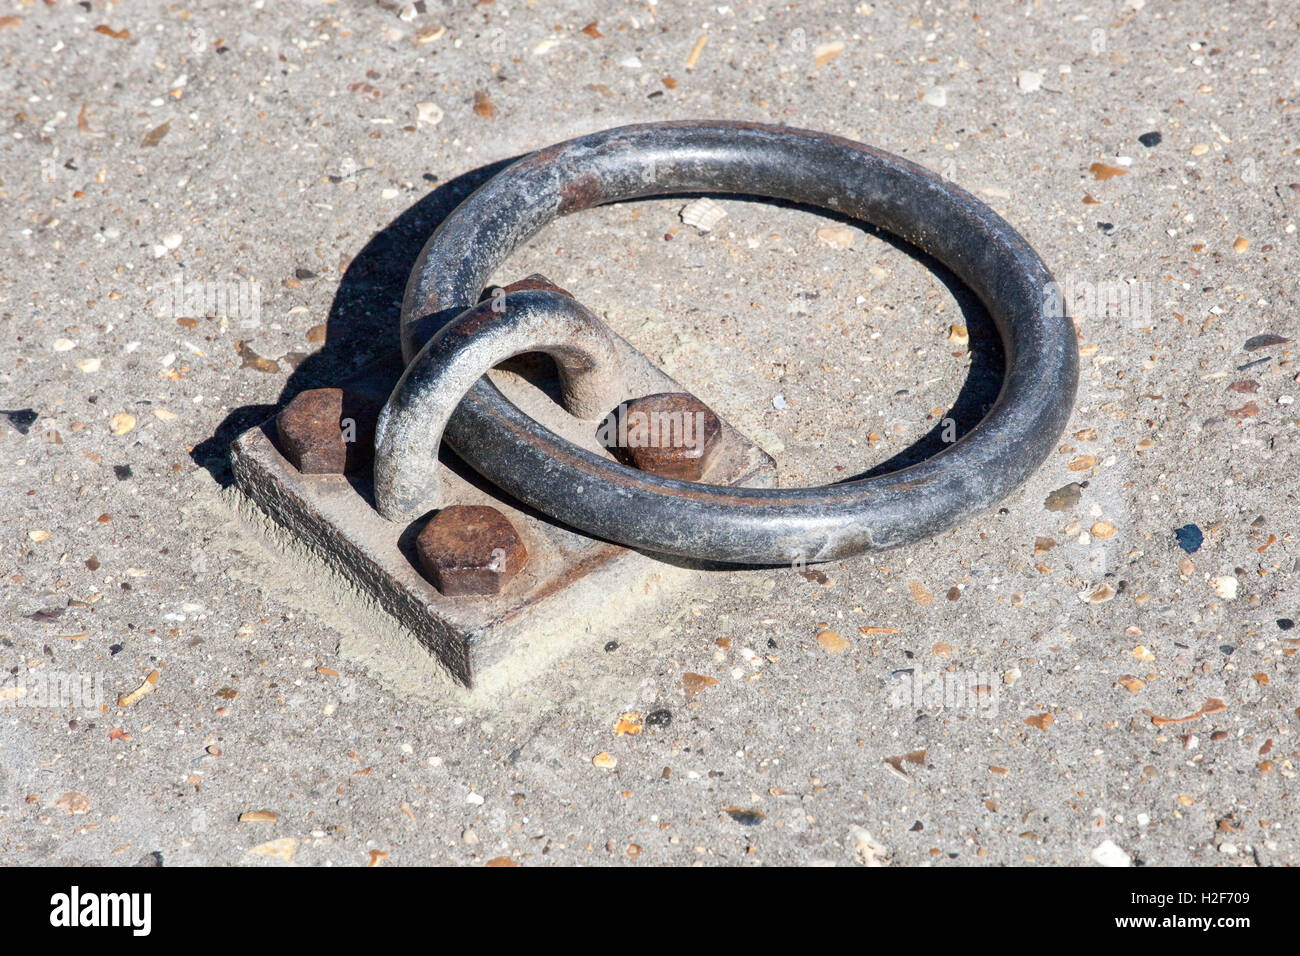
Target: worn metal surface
<point x="670" y="434"/>
<point x="667" y="515"/>
<point x="534" y="282"/>
<point x="470" y="549"/>
<point x="529" y="319"/>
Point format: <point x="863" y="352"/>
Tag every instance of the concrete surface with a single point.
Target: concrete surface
<point x="283" y="145"/>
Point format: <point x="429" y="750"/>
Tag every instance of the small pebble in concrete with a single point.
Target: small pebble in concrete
<point x="1256" y="342"/>
<point x="1064" y="498"/>
<point x="1189" y="538"/>
<point x="21" y="418"/>
<point x="1109" y="854"/>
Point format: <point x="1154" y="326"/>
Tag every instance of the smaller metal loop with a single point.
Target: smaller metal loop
<point x="412" y="422"/>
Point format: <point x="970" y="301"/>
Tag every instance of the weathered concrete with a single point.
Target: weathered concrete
<point x="295" y="156"/>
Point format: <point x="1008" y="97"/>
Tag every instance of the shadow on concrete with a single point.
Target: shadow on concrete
<point x="364" y="317"/>
<point x="983" y="381"/>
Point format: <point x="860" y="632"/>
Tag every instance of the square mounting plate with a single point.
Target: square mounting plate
<point x="574" y="588"/>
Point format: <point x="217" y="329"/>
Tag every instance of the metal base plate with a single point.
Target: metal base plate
<point x="574" y="587"/>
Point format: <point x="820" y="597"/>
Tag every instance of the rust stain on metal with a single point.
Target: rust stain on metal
<point x="476" y="320"/>
<point x="327" y="431"/>
<point x="541" y="158"/>
<point x="583" y="192"/>
<point x="537" y="282"/>
<point x="470" y="549"/>
<point x="670" y="434"/>
<point x="572" y="574"/>
<point x="487" y="313"/>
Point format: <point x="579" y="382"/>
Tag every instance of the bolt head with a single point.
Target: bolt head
<point x="327" y="431"/>
<point x="671" y="434"/>
<point x="470" y="549"/>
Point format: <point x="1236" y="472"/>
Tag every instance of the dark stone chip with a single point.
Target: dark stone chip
<point x="1189" y="538"/>
<point x="21" y="418"/>
<point x="1264" y="341"/>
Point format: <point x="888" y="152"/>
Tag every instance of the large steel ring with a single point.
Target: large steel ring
<point x="754" y="525"/>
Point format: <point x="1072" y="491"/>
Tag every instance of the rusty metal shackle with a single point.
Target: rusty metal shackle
<point x="750" y="525"/>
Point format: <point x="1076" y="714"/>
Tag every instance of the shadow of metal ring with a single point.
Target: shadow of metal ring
<point x="754" y="525"/>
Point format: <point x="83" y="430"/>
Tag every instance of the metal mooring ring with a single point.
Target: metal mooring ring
<point x="754" y="525"/>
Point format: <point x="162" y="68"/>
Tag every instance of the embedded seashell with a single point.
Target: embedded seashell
<point x="703" y="214"/>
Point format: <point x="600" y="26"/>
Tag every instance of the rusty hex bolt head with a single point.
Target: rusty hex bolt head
<point x="327" y="431"/>
<point x="470" y="549"/>
<point x="670" y="434"/>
